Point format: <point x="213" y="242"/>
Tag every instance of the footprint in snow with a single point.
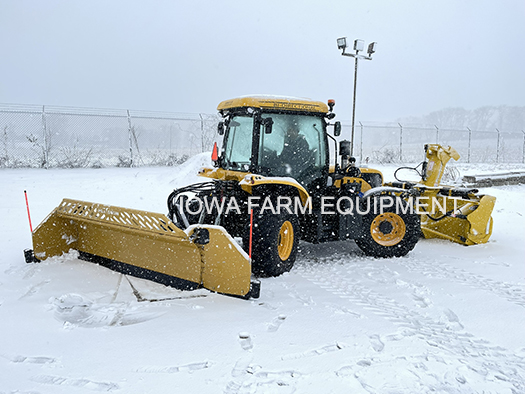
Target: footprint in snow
<point x="276" y="323"/>
<point x="31" y="360"/>
<point x="452" y="320"/>
<point x="180" y="368"/>
<point x="245" y="341"/>
<point x="376" y="343"/>
<point x="315" y="352"/>
<point x="64" y="381"/>
<point x="421" y="301"/>
<point x="345" y="371"/>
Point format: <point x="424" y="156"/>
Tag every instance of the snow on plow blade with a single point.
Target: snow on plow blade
<point x="146" y="245"/>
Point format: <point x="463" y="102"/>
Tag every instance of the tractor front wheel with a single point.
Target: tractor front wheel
<point x="275" y="240"/>
<point x="391" y="233"/>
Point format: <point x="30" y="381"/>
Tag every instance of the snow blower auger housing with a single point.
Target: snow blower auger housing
<point x="146" y="245"/>
<point x="466" y="215"/>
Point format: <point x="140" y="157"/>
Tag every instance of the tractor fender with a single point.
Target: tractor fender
<point x="251" y="181"/>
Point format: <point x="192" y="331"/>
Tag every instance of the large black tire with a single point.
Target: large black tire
<point x="391" y="233"/>
<point x="275" y="242"/>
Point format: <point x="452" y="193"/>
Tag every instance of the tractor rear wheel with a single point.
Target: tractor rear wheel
<point x="275" y="240"/>
<point x="391" y="233"/>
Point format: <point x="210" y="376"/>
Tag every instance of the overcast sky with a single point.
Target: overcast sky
<point x="187" y="56"/>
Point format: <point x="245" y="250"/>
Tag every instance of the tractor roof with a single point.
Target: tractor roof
<point x="281" y="103"/>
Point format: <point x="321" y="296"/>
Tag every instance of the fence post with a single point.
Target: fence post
<point x="437" y="134"/>
<point x="400" y="142"/>
<point x="361" y="144"/>
<point x="130" y="132"/>
<point x="202" y="132"/>
<point x="523" y="159"/>
<point x="469" y="142"/>
<point x="497" y="148"/>
<point x="44" y="131"/>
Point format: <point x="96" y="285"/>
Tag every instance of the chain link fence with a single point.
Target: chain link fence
<point x="397" y="143"/>
<point x="46" y="136"/>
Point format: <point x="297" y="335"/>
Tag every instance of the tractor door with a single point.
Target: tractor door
<point x="237" y="149"/>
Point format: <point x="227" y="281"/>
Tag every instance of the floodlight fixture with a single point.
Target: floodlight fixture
<point x="359" y="45"/>
<point x="372" y="48"/>
<point x="341" y="43"/>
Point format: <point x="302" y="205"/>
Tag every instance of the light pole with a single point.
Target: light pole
<point x="359" y="45"/>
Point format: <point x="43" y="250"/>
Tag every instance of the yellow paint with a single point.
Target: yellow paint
<point x="252" y="180"/>
<point x="364" y="185"/>
<point x="225" y="268"/>
<point x="476" y="228"/>
<point x="286" y="240"/>
<point x="438" y="158"/>
<point x="144" y="239"/>
<point x="366" y="170"/>
<point x="222" y="174"/>
<point x="275" y="103"/>
<point x="347" y="179"/>
<point x="394" y="236"/>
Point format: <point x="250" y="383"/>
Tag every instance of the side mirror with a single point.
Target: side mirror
<point x="337" y="129"/>
<point x="267" y="124"/>
<point x="220" y="128"/>
<point x="344" y="148"/>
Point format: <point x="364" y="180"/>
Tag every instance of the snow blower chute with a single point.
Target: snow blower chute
<point x="147" y="245"/>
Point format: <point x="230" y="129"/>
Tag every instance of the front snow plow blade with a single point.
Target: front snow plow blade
<point x="147" y="245"/>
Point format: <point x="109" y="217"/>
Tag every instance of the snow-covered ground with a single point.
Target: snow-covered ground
<point x="444" y="319"/>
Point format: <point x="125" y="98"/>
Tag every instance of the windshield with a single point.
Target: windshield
<point x="238" y="149"/>
<point x="295" y="148"/>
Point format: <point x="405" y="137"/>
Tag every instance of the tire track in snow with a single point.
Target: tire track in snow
<point x="180" y="368"/>
<point x="18" y="359"/>
<point x="34" y="289"/>
<point x="440" y="270"/>
<point x="489" y="360"/>
<point x="85" y="383"/>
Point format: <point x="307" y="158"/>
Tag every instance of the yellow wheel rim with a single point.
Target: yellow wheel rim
<point x="388" y="229"/>
<point x="285" y="245"/>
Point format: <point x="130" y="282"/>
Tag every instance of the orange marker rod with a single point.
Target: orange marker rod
<point x="28" y="213"/>
<point x="251" y="234"/>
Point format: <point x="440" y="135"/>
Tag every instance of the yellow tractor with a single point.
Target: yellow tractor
<point x="272" y="185"/>
<point x="275" y="156"/>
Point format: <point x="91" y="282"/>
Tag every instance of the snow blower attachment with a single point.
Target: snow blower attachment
<point x="146" y="245"/>
<point x="467" y="215"/>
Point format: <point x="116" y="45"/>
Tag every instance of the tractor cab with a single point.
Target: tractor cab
<point x="275" y="137"/>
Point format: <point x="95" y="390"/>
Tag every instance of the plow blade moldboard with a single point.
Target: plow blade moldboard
<point x="147" y="245"/>
<point x="471" y="225"/>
